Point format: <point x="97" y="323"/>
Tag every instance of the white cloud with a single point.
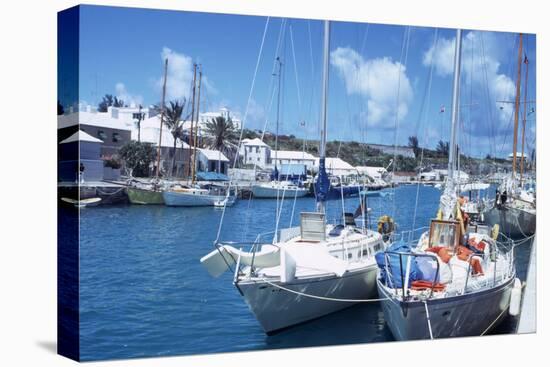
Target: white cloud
<point x="378" y="80"/>
<point x="129" y="99"/>
<point x="179" y="76"/>
<point x="483" y="70"/>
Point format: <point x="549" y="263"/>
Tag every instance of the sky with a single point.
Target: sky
<point x="386" y="82"/>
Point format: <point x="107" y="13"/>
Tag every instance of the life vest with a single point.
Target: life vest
<point x="385" y="224"/>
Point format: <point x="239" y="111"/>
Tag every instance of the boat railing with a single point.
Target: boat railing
<point x="410" y="236"/>
<point x="404" y="277"/>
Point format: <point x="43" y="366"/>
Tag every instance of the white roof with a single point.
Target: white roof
<point x="150" y="129"/>
<point x="335" y="163"/>
<point x="292" y="154"/>
<point x="254" y="142"/>
<point x="214" y="155"/>
<point x="99" y="119"/>
<point x="80" y="136"/>
<point x="518" y="155"/>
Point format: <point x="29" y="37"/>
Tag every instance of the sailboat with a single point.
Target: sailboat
<point x="514" y="208"/>
<point x="308" y="271"/>
<point x="194" y="194"/>
<point x="150" y="193"/>
<point x="457" y="280"/>
<point x="278" y="189"/>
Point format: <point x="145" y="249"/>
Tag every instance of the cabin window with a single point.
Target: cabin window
<point x="376" y="247"/>
<point x="444" y="233"/>
<point x="350" y="255"/>
<point x="365" y="252"/>
<point x="101" y="134"/>
<point x="116" y="137"/>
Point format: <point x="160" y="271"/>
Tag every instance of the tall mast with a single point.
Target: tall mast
<point x="455" y="107"/>
<point x="191" y="136"/>
<point x="161" y="116"/>
<point x="277" y="122"/>
<point x="522" y="162"/>
<point x="323" y="185"/>
<point x="197" y="125"/>
<point x="516" y="104"/>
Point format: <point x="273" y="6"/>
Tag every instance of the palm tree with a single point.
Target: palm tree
<point x="173" y="122"/>
<point x="413" y="143"/>
<point x="221" y="136"/>
<point x="442" y="148"/>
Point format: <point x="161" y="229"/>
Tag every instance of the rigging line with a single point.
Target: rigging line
<point x="244" y="118"/>
<point x="425" y="127"/>
<point x="296" y="74"/>
<point x="405" y="44"/>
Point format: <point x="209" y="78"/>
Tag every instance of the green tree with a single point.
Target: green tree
<point x="413" y="143"/>
<point x="442" y="148"/>
<point x="137" y="157"/>
<point x="221" y="136"/>
<point x="173" y="122"/>
<point x="109" y="100"/>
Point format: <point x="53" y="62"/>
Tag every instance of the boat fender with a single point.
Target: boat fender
<point x="494" y="231"/>
<point x="515" y="298"/>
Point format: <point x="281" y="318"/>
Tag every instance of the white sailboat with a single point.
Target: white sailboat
<point x="194" y="194"/>
<point x="276" y="189"/>
<point x="514" y="208"/>
<point x="308" y="271"/>
<point x="445" y="286"/>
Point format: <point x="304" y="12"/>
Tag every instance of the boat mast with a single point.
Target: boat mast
<point x="516" y="105"/>
<point x="191" y="136"/>
<point x="197" y="125"/>
<point x="323" y="183"/>
<point x="161" y="116"/>
<point x="278" y="59"/>
<point x="522" y="162"/>
<point x="455" y="107"/>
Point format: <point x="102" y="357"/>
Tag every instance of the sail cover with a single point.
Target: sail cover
<point x="322" y="185"/>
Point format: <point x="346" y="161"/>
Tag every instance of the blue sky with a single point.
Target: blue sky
<point x="122" y="52"/>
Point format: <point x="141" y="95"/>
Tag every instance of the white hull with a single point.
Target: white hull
<point x="265" y="192"/>
<point x="278" y="309"/>
<point x="471" y="314"/>
<point x="172" y="198"/>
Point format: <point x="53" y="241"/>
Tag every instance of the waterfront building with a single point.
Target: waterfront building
<point x="255" y="152"/>
<point x="336" y="167"/>
<point x="293" y="157"/>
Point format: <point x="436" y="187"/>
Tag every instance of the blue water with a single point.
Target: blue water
<point x="144" y="293"/>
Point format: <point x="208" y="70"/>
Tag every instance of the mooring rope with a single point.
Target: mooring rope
<point x="324" y="298"/>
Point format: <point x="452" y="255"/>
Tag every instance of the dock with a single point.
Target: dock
<point x="528" y="317"/>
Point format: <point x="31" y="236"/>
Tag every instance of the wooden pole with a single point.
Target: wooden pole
<point x="516" y="105"/>
<point x="197" y="124"/>
<point x="190" y="168"/>
<point x="522" y="162"/>
<point x="161" y="115"/>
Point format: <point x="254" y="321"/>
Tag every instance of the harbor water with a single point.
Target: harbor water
<point x="143" y="291"/>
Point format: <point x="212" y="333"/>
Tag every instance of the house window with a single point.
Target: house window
<point x="101" y="134"/>
<point x="257" y="149"/>
<point x="116" y="137"/>
<point x="258" y="159"/>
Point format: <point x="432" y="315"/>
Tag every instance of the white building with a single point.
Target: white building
<point x="336" y="167"/>
<point x="205" y="117"/>
<point x="281" y="157"/>
<point x="371" y="171"/>
<point x="255" y="152"/>
<point x="212" y="161"/>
